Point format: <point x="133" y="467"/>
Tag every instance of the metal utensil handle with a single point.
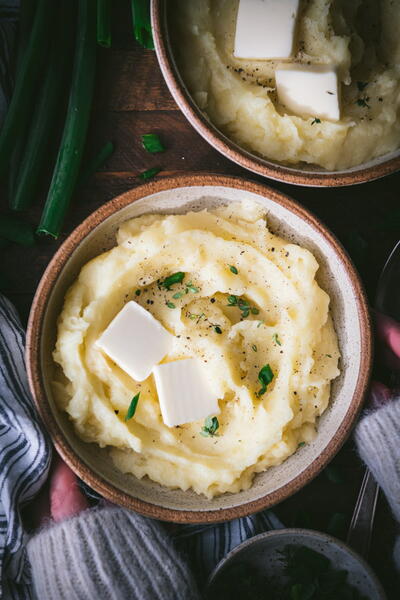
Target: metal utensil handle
<point x="360" y="530"/>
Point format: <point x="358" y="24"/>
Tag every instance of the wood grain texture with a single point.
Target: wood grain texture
<point x="132" y="99"/>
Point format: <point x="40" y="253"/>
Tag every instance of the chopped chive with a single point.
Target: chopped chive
<point x="141" y="23"/>
<point x="276" y="339"/>
<point x="265" y="377"/>
<point x="172" y="280"/>
<point x="104" y="23"/>
<point x="217" y="329"/>
<point x="170" y="304"/>
<point x="233" y="269"/>
<point x="152" y="143"/>
<point x="132" y="407"/>
<point x="211" y="424"/>
<point x="149" y="173"/>
<point x="138" y="292"/>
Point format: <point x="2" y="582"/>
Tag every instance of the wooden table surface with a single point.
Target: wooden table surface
<point x="132" y="99"/>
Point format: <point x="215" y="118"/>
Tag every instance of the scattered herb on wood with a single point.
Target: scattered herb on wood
<point x="152" y="143"/>
<point x="150" y="173"/>
<point x="265" y="377"/>
<point x="132" y="407"/>
<point x="211" y="425"/>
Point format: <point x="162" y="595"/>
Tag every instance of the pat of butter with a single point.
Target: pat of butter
<point x="135" y="340"/>
<point x="265" y="29"/>
<point x="309" y="90"/>
<point x="183" y="392"/>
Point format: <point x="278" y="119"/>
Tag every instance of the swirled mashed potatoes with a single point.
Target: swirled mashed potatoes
<point x="360" y="37"/>
<point x="289" y="328"/>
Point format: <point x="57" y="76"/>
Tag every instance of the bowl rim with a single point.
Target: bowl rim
<point x="273" y="170"/>
<point x="291" y="531"/>
<point x="33" y="352"/>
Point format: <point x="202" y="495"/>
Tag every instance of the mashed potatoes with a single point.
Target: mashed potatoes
<point x="287" y="326"/>
<point x="360" y="37"/>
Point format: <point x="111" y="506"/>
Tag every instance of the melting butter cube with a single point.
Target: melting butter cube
<point x="265" y="29"/>
<point x="135" y="340"/>
<point x="309" y="90"/>
<point x="183" y="392"/>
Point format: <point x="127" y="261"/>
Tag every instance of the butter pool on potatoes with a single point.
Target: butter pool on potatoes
<point x="290" y="329"/>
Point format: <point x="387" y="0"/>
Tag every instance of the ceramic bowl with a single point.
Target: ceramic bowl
<point x="262" y="552"/>
<point x="349" y="309"/>
<point x="301" y="174"/>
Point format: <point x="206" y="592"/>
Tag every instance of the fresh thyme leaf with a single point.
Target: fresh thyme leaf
<point x="150" y="173"/>
<point x="276" y="339"/>
<point x="138" y="292"/>
<point x="217" y="329"/>
<point x="363" y="102"/>
<point x="265" y="377"/>
<point x="245" y="313"/>
<point x="178" y="295"/>
<point x="170" y="304"/>
<point x="362" y="85"/>
<point x="172" y="280"/>
<point x="152" y="143"/>
<point x="254" y="347"/>
<point x="211" y="424"/>
<point x="132" y="407"/>
<point x="233" y="269"/>
<point x="232" y="300"/>
<point x="255" y="311"/>
<point x="301" y="444"/>
<point x="191" y="288"/>
<point x="315" y="121"/>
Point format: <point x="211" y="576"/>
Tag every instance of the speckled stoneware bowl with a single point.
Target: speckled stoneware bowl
<point x="301" y="174"/>
<point x="262" y="553"/>
<point x="336" y="276"/>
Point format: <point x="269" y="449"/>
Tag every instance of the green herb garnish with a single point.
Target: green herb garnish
<point x="132" y="407"/>
<point x="362" y="85"/>
<point x="233" y="269"/>
<point x="191" y="288"/>
<point x="211" y="424"/>
<point x="217" y="329"/>
<point x="328" y="355"/>
<point x="259" y="324"/>
<point x="138" y="292"/>
<point x="243" y="306"/>
<point x="254" y="347"/>
<point x="170" y="304"/>
<point x="255" y="311"/>
<point x="232" y="300"/>
<point x="265" y="377"/>
<point x="172" y="280"/>
<point x="142" y="23"/>
<point x="276" y="339"/>
<point x="152" y="143"/>
<point x="301" y="444"/>
<point x="363" y="102"/>
<point x="178" y="295"/>
<point x="315" y="121"/>
<point x="149" y="173"/>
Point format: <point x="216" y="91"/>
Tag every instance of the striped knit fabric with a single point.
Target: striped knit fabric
<point x="24" y="453"/>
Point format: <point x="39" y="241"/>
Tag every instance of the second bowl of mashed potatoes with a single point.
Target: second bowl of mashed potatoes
<point x="234" y="102"/>
<point x="240" y="279"/>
